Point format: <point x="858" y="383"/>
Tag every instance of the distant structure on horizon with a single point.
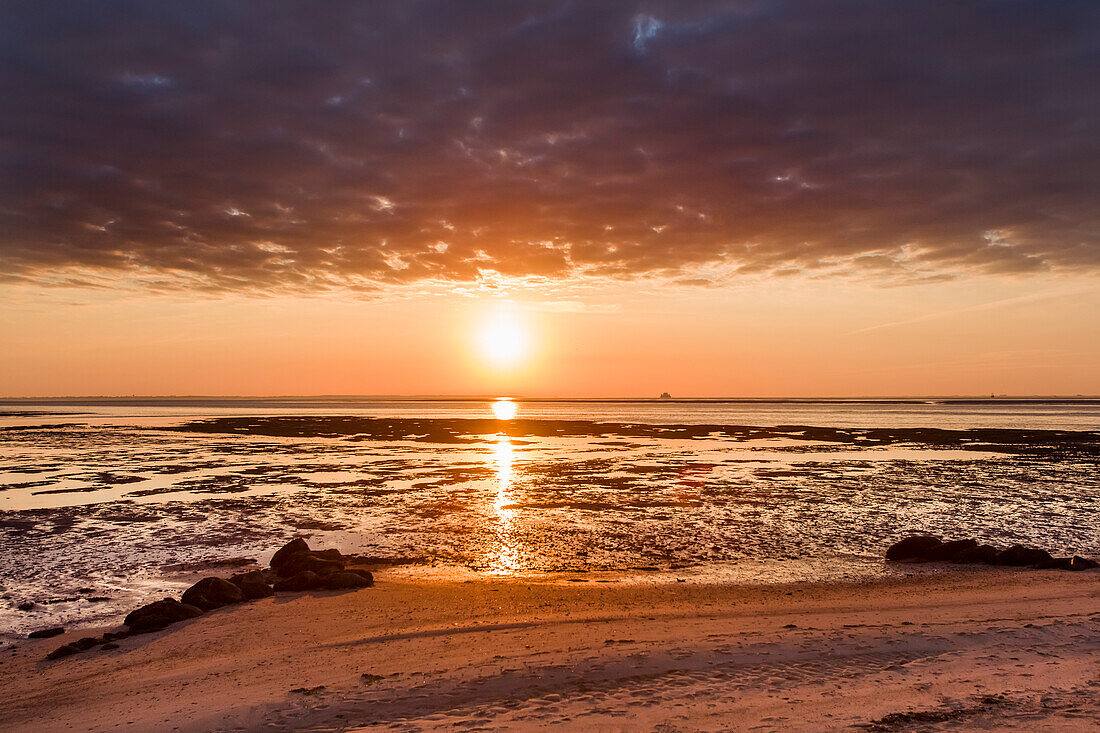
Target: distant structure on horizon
<point x="666" y="396"/>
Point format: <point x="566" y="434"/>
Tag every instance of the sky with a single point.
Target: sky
<point x="550" y="198"/>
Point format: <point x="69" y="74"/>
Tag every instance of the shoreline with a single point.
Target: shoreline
<point x="421" y="652"/>
<point x="173" y="580"/>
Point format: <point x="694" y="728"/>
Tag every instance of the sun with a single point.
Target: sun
<point x="503" y="341"/>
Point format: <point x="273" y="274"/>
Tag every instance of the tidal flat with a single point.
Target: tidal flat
<point x="103" y="509"/>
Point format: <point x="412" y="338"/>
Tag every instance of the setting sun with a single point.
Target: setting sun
<point x="503" y="340"/>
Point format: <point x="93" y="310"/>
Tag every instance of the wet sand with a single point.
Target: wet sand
<point x="95" y="516"/>
<point x="998" y="649"/>
<point x="470" y="430"/>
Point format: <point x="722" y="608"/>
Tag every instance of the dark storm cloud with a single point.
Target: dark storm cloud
<point x="303" y="145"/>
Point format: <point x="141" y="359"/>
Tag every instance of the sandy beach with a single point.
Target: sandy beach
<point x="990" y="650"/>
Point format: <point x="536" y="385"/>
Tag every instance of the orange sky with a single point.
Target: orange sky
<point x="707" y="197"/>
<point x="767" y="337"/>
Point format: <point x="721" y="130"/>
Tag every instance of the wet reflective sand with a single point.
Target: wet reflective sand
<point x="91" y="510"/>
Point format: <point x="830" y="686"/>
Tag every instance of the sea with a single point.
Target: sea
<point x="109" y="503"/>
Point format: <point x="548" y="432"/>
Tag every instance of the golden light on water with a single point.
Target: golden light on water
<point x="504" y="409"/>
<point x="502" y="464"/>
<point x="507" y="554"/>
<point x="507" y="559"/>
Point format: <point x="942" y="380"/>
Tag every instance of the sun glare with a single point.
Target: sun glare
<point x="504" y="409"/>
<point x="503" y="341"/>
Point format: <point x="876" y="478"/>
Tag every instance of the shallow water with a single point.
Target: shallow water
<point x="1080" y="414"/>
<point x="109" y="503"/>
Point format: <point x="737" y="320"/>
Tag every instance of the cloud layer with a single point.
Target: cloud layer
<point x="306" y="145"/>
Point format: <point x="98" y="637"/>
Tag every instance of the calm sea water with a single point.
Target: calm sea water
<point x="1047" y="415"/>
<point x="103" y="506"/>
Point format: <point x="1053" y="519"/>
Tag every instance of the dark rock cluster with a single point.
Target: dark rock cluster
<point x="298" y="568"/>
<point x="46" y="633"/>
<point x="294" y="568"/>
<point x="159" y="615"/>
<point x="927" y="548"/>
<point x="88" y="642"/>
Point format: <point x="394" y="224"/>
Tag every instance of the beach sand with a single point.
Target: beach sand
<point x="989" y="650"/>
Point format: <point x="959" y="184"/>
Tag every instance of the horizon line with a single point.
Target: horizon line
<point x="523" y="398"/>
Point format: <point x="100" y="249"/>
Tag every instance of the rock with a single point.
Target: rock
<point x="307" y="580"/>
<point x="253" y="585"/>
<point x="982" y="554"/>
<point x="86" y="643"/>
<point x="913" y="549"/>
<point x="27" y="606"/>
<point x="46" y="633"/>
<point x="112" y="635"/>
<point x="159" y="615"/>
<point x="109" y="645"/>
<point x="345" y="579"/>
<point x="1067" y="563"/>
<point x="365" y="573"/>
<point x="310" y="561"/>
<point x="1020" y="556"/>
<point x="947" y="551"/>
<point x="211" y="593"/>
<point x="296" y="557"/>
<point x="1082" y="563"/>
<point x="294" y="547"/>
<point x="63" y="651"/>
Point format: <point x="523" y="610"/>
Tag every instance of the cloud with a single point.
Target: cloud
<point x="227" y="146"/>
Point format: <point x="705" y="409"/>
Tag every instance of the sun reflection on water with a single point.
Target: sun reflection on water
<point x="507" y="559"/>
<point x="504" y="409"/>
<point x="502" y="464"/>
